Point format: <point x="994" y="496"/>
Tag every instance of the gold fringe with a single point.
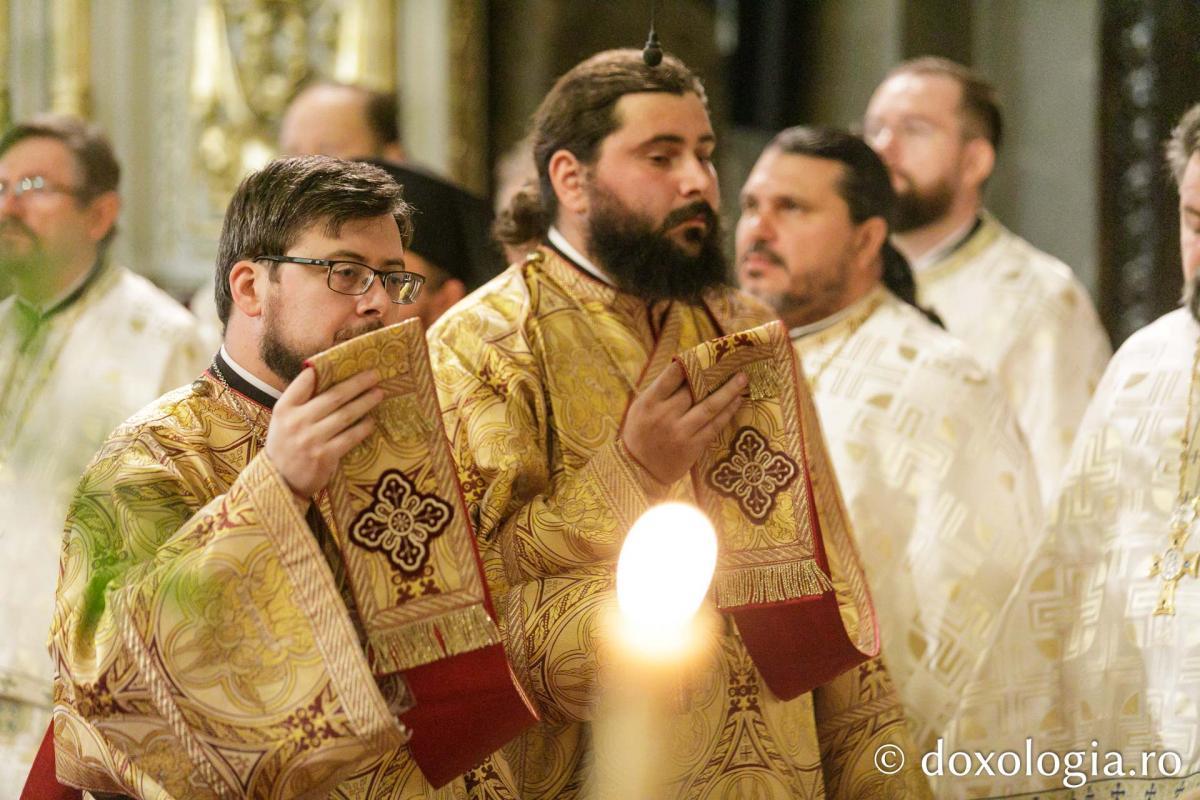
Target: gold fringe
<point x="764" y="379"/>
<point x="416" y="643"/>
<point x="742" y="586"/>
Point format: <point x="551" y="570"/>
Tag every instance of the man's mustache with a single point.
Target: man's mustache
<point x="760" y="248"/>
<point x="346" y="334"/>
<point x="700" y="208"/>
<point x="12" y="225"/>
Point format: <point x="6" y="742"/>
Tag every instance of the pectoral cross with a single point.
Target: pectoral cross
<point x="1172" y="565"/>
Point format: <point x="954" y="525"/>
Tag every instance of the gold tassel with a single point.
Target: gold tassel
<point x="764" y="379"/>
<point x="773" y="583"/>
<point x="417" y="643"/>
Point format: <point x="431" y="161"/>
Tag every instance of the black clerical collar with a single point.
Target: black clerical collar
<point x="975" y="226"/>
<point x="238" y="380"/>
<point x="70" y="298"/>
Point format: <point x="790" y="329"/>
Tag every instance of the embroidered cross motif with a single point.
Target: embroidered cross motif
<point x="1172" y="564"/>
<point x="753" y="474"/>
<point x="401" y="522"/>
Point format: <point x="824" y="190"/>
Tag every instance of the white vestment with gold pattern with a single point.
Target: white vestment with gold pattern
<point x="939" y="485"/>
<point x="66" y="381"/>
<point x="1081" y="656"/>
<point x="1026" y="318"/>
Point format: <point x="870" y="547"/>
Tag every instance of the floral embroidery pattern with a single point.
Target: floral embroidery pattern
<point x="401" y="522"/>
<point x="309" y="726"/>
<point x="753" y="474"/>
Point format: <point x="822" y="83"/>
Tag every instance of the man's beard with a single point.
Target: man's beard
<point x="916" y="208"/>
<point x="646" y="261"/>
<point x="286" y="361"/>
<point x="810" y="298"/>
<point x="1191" y="296"/>
<point x="19" y="259"/>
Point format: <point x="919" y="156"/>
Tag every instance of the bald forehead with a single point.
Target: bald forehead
<point x="328" y="120"/>
<point x="920" y="91"/>
<point x="342" y="97"/>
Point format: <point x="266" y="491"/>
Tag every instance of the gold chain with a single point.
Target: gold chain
<point x="1173" y="563"/>
<point x="236" y="404"/>
<point x="1187" y="495"/>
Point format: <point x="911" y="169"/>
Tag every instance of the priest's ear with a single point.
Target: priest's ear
<point x="102" y="212"/>
<point x="979" y="159"/>
<point x="568" y="175"/>
<point x="248" y="286"/>
<point x="869" y="237"/>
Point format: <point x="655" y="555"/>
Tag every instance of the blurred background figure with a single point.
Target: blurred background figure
<point x="451" y="244"/>
<point x="84" y="343"/>
<point x="1099" y="638"/>
<point x="343" y="121"/>
<point x="1023" y="313"/>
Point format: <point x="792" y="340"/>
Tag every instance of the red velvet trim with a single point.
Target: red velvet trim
<point x="800" y="644"/>
<point x="42" y="783"/>
<point x="467" y="707"/>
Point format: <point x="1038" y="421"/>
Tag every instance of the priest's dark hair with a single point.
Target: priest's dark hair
<point x="1184" y="142"/>
<point x="275" y="206"/>
<point x="867" y="189"/>
<point x="980" y="104"/>
<point x="577" y="115"/>
<point x="1180" y="147"/>
<point x="96" y="163"/>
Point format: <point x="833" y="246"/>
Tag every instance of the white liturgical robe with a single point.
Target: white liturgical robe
<point x="939" y="486"/>
<point x="68" y="377"/>
<point x="1083" y="662"/>
<point x="1025" y="317"/>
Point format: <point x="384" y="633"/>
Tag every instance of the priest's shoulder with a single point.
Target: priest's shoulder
<point x="148" y="309"/>
<point x="492" y="312"/>
<point x="928" y="342"/>
<point x="178" y="413"/>
<point x="1050" y="275"/>
<point x="1178" y="328"/>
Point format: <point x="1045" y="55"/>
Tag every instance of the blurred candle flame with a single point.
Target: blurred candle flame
<point x="663" y="575"/>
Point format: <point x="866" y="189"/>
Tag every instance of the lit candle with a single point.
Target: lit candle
<point x="658" y="638"/>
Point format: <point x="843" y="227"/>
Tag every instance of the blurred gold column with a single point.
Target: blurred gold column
<point x="469" y="94"/>
<point x="5" y="92"/>
<point x="366" y="46"/>
<point x="71" y="87"/>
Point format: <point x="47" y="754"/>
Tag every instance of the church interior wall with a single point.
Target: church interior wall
<point x="821" y="65"/>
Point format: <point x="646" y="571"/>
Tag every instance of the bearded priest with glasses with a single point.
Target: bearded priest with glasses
<point x="269" y="586"/>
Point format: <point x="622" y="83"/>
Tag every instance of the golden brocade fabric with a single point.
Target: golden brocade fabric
<point x="398" y="519"/>
<point x="1026" y="318"/>
<point x="1081" y="657"/>
<point x="939" y="486"/>
<point x="535" y="371"/>
<point x="402" y="530"/>
<point x="204" y="633"/>
<point x="760" y="482"/>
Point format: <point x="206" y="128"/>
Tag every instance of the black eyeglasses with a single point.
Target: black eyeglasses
<point x="353" y="278"/>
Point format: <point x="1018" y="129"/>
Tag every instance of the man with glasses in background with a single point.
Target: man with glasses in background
<point x="84" y="343"/>
<point x="1023" y="313"/>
